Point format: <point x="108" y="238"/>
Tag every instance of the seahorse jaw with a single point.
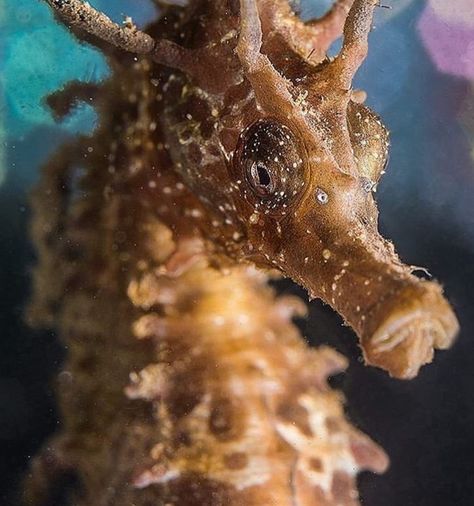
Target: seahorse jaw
<point x="416" y="324"/>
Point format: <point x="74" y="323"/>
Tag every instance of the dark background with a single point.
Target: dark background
<point x="425" y="425"/>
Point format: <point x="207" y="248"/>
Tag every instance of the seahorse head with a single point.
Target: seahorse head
<point x="268" y="133"/>
<point x="291" y="157"/>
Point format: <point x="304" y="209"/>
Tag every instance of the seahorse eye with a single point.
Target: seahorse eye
<point x="261" y="179"/>
<point x="269" y="160"/>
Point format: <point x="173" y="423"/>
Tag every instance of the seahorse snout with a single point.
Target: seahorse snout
<point x="417" y="321"/>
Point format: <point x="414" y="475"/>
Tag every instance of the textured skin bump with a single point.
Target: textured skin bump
<point x="186" y="381"/>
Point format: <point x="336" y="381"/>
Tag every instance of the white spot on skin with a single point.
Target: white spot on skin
<point x="321" y="196"/>
<point x="368" y="185"/>
<point x="218" y="320"/>
<point x="254" y="218"/>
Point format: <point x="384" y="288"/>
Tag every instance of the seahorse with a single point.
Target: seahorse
<point x="230" y="150"/>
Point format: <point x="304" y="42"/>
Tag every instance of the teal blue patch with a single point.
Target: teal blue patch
<point x="40" y="57"/>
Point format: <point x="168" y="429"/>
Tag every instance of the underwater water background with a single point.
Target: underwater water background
<point x="420" y="78"/>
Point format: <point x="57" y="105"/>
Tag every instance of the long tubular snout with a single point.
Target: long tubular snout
<point x="399" y="318"/>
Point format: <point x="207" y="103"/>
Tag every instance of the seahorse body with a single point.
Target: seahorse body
<point x="186" y="381"/>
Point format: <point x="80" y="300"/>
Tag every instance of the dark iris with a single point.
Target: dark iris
<point x="270" y="160"/>
<point x="261" y="178"/>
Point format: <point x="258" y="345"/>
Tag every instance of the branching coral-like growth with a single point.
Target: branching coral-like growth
<point x="311" y="39"/>
<point x="225" y="151"/>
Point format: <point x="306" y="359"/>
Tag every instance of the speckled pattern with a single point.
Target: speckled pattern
<point x="186" y="380"/>
<point x="326" y="253"/>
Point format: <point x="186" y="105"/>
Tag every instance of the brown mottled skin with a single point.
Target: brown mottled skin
<point x="232" y="143"/>
<point x="275" y="72"/>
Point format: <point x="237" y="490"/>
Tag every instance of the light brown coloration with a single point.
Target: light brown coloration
<point x="245" y="404"/>
<point x="218" y="401"/>
<point x="193" y="175"/>
<point x="335" y="162"/>
<point x="240" y="409"/>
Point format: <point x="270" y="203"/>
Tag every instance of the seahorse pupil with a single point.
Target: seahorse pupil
<point x="262" y="178"/>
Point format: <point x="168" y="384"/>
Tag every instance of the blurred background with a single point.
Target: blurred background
<point x="420" y="78"/>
